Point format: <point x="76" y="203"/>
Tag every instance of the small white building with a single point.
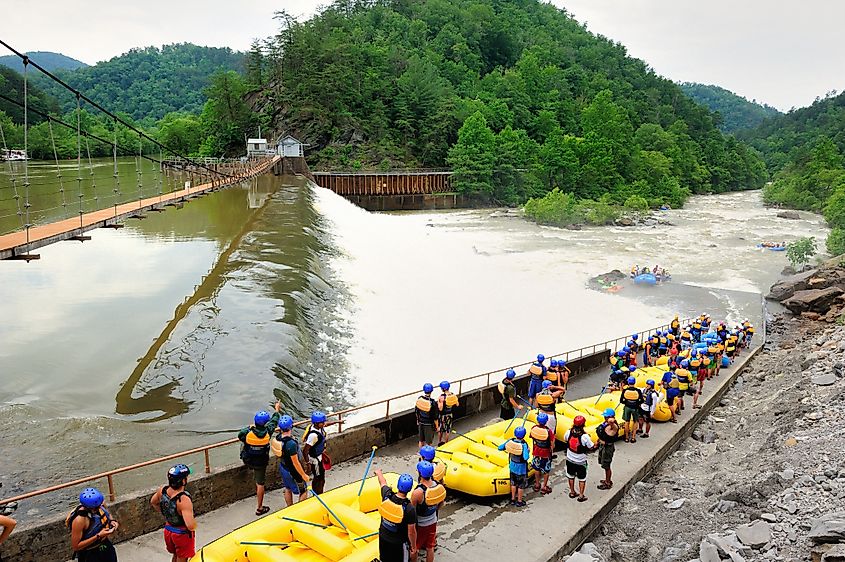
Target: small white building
<point x="290" y="147"/>
<point x="256" y="147"/>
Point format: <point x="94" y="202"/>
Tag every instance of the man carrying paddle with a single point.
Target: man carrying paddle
<point x="509" y="404"/>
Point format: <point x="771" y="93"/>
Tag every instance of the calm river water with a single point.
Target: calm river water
<point x="170" y="333"/>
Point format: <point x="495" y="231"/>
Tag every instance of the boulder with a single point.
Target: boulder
<point x="825" y="379"/>
<point x="790" y="215"/>
<point x="811" y="315"/>
<point x="754" y="534"/>
<point x="624" y="221"/>
<point x="787" y="287"/>
<point x="707" y="552"/>
<point x="812" y="300"/>
<point x="677" y="504"/>
<point x="828" y="528"/>
<point x="835" y="554"/>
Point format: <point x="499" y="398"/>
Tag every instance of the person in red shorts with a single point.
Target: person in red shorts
<point x="427" y="499"/>
<point x="175" y="504"/>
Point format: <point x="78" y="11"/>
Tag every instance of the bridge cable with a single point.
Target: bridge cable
<point x="115" y="174"/>
<point x="79" y="94"/>
<point x="26" y="204"/>
<point x="12" y="175"/>
<point x="58" y="168"/>
<point x="138" y="171"/>
<point x="80" y="195"/>
<point x="91" y="173"/>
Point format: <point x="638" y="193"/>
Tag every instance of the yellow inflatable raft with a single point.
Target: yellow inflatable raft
<point x="474" y="464"/>
<point x="307" y="532"/>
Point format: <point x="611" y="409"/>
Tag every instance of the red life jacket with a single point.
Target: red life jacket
<point x="574" y="442"/>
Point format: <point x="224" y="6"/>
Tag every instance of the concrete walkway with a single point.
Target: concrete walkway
<point x="473" y="529"/>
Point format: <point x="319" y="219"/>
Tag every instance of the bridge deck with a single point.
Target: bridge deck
<point x="15" y="245"/>
<point x="548" y="528"/>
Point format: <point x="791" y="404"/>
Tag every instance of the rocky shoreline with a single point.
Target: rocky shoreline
<point x="763" y="477"/>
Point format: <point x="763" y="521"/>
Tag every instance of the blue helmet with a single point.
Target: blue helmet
<point x="649" y="382"/>
<point x="406" y="482"/>
<point x="261" y="418"/>
<point x="318" y="417"/>
<point x="695" y="352"/>
<point x="609" y="413"/>
<point x="540" y="358"/>
<point x="444" y="386"/>
<point x="285" y="422"/>
<point x="542" y="418"/>
<point x="178" y="472"/>
<point x="547" y="384"/>
<point x="632" y="369"/>
<point x="620" y="353"/>
<point x="658" y="333"/>
<point x="561" y="363"/>
<point x="427" y="452"/>
<point x="425" y="469"/>
<point x="631" y="342"/>
<point x="635" y="337"/>
<point x="626" y="349"/>
<point x="631" y="380"/>
<point x="553" y="363"/>
<point x="510" y="374"/>
<point x="519" y="432"/>
<point x="91" y="498"/>
<point x="684" y="363"/>
<point x="427" y="388"/>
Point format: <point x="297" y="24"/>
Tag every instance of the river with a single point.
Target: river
<point x="171" y="332"/>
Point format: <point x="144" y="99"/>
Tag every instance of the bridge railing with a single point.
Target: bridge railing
<point x="349" y="417"/>
<point x="391" y="172"/>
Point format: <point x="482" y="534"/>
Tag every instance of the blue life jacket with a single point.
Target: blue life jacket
<point x="97" y="521"/>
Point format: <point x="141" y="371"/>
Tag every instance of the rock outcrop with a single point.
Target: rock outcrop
<point x="791" y="215"/>
<point x="816" y="294"/>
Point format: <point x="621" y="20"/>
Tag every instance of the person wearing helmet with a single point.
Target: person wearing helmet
<point x="428" y="416"/>
<point x="618" y="362"/>
<point x="509" y="405"/>
<point x="651" y="398"/>
<point x="544" y="444"/>
<point x="563" y="375"/>
<point x="427" y="453"/>
<point x="91" y="526"/>
<point x="537" y="372"/>
<point x="518" y="456"/>
<point x="546" y="400"/>
<point x="427" y="498"/>
<point x="175" y="504"/>
<point x="397" y="534"/>
<point x="608" y="433"/>
<point x="631" y="399"/>
<point x="684" y="377"/>
<point x="255" y="451"/>
<point x="670" y="390"/>
<point x="292" y="463"/>
<point x="314" y="451"/>
<point x="686" y="338"/>
<point x="578" y="443"/>
<point x="445" y="404"/>
<point x="696" y="330"/>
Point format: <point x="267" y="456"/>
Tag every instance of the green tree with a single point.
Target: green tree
<point x="799" y="252"/>
<point x="226" y="116"/>
<point x="473" y="157"/>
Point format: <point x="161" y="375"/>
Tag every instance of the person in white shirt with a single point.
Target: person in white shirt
<point x="578" y="443"/>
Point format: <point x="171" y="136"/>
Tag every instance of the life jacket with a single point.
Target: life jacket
<point x="514" y="449"/>
<point x="503" y="390"/>
<point x="552" y="375"/>
<point x="663" y="341"/>
<point x="537" y="371"/>
<point x="392" y="511"/>
<point x="674" y="383"/>
<point x="631" y="396"/>
<point x="317" y="449"/>
<point x="97" y="521"/>
<point x="686" y="336"/>
<point x="705" y="362"/>
<point x="713" y="350"/>
<point x="696" y="326"/>
<point x="424" y="407"/>
<point x="683" y="378"/>
<point x="694" y="364"/>
<point x="169" y="509"/>
<point x="542" y="437"/>
<point x="450" y="400"/>
<point x="574" y="443"/>
<point x="546" y="401"/>
<point x="256" y="449"/>
<point x="287" y="460"/>
<point x="649" y="399"/>
<point x="427" y="509"/>
<point x="439" y="472"/>
<point x="675" y="324"/>
<point x="749" y="329"/>
<point x="601" y="432"/>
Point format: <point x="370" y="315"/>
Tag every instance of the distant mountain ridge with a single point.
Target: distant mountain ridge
<point x="48" y="59"/>
<point x="737" y="112"/>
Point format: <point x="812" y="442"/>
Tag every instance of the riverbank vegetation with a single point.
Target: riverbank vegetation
<point x="804" y="151"/>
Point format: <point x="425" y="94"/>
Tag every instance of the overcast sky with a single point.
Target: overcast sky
<point x="778" y="52"/>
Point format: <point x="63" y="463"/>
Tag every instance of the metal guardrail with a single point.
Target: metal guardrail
<point x="468" y="383"/>
<point x="391" y="172"/>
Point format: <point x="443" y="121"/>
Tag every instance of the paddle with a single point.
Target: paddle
<point x="600" y="395"/>
<point x="365" y="536"/>
<point x="464" y="436"/>
<point x="367" y="471"/>
<point x="305" y="522"/>
<point x="524" y="415"/>
<point x="319" y="499"/>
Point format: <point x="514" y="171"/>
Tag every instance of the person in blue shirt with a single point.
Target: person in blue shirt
<point x="517" y="450"/>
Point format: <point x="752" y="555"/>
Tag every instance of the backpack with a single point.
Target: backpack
<point x="574" y="442"/>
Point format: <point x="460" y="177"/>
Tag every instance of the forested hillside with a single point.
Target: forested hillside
<point x="735" y="112"/>
<point x="49" y="60"/>
<point x="11" y="86"/>
<point x="148" y="83"/>
<point x="804" y="149"/>
<point x="515" y="95"/>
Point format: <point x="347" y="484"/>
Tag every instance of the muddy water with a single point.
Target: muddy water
<point x="171" y="332"/>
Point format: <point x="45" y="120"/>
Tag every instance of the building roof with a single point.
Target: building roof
<point x="256" y="141"/>
<point x="290" y="140"/>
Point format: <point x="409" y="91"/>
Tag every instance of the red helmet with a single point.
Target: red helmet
<point x="579" y="421"/>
